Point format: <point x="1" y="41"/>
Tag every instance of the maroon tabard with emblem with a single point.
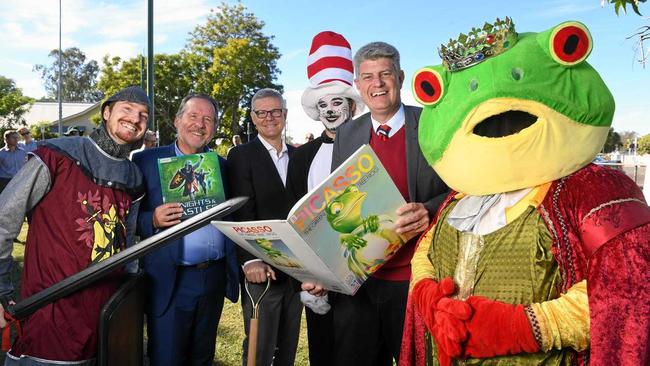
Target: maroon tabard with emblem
<point x="76" y="224"/>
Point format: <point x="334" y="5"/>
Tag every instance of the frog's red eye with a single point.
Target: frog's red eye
<point x="570" y="43"/>
<point x="428" y="86"/>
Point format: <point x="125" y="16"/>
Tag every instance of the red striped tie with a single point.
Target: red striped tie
<point x="383" y="131"/>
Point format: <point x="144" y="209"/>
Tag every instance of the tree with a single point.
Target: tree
<point x="622" y="4"/>
<point x="42" y="130"/>
<point x="171" y="84"/>
<point x="644" y="145"/>
<point x="642" y="34"/>
<point x="13" y="104"/>
<point x="627" y="137"/>
<point x="79" y="82"/>
<point x="613" y="141"/>
<point x="231" y="58"/>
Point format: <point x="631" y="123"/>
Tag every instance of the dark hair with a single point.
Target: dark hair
<point x="9" y="133"/>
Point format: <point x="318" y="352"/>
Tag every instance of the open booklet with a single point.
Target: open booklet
<point x="337" y="234"/>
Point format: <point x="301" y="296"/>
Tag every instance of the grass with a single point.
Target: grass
<point x="230" y="334"/>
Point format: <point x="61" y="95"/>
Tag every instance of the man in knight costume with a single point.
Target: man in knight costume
<point x="80" y="196"/>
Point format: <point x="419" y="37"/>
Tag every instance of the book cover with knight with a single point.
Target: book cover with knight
<point x="192" y="180"/>
<point x="340" y="232"/>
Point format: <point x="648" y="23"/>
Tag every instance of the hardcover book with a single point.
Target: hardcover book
<point x="192" y="180"/>
<point x="336" y="235"/>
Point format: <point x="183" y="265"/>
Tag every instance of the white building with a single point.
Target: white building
<point x="74" y="115"/>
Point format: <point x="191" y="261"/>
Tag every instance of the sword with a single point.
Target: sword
<point x="77" y="281"/>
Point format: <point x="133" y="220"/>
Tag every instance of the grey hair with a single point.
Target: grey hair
<point x="268" y="93"/>
<point x="181" y="107"/>
<point x="374" y="51"/>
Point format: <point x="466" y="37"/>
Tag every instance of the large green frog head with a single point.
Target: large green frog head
<point x="508" y="111"/>
<point x="344" y="211"/>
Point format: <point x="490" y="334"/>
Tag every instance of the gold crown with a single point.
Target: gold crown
<point x="478" y="45"/>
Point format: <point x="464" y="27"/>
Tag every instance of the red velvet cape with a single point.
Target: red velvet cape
<point x="600" y="226"/>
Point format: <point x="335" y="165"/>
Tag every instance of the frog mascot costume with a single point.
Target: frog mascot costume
<point x="539" y="256"/>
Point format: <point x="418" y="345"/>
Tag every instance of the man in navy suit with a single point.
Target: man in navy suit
<point x="189" y="278"/>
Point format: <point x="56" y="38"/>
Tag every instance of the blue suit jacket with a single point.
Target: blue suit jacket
<point x="160" y="266"/>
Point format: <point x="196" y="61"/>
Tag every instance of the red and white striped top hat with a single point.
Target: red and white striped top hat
<point x="330" y="72"/>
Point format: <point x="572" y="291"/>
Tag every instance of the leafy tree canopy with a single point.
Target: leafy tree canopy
<point x="613" y="141"/>
<point x="228" y="57"/>
<point x="13" y="104"/>
<point x="622" y="4"/>
<point x="231" y="58"/>
<point x="644" y="145"/>
<point x="171" y="80"/>
<point x="79" y="82"/>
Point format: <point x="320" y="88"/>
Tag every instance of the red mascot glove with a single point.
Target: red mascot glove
<point x="426" y="295"/>
<point x="450" y="331"/>
<point x="495" y="328"/>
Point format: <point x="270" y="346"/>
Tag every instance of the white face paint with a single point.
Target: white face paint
<point x="333" y="111"/>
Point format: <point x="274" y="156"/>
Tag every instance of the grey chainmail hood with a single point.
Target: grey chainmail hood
<point x="112" y="148"/>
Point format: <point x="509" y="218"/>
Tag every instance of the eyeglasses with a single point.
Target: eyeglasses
<point x="274" y="112"/>
<point x="24" y="133"/>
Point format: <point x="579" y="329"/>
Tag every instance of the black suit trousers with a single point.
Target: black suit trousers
<point x="368" y="326"/>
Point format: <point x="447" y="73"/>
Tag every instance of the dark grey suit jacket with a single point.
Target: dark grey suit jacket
<point x="424" y="185"/>
<point x="251" y="173"/>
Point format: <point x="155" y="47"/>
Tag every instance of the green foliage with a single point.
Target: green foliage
<point x="96" y="119"/>
<point x="644" y="145"/>
<point x="41" y="130"/>
<point x="613" y="141"/>
<point x="13" y="104"/>
<point x="622" y="4"/>
<point x="231" y="58"/>
<point x="79" y="82"/>
<point x="171" y="79"/>
<point x="223" y="148"/>
<point x="228" y="57"/>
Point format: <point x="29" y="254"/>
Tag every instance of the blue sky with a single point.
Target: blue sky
<point x="29" y="30"/>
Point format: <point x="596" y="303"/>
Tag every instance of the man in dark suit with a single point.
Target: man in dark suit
<point x="189" y="278"/>
<point x="368" y="326"/>
<point x="258" y="170"/>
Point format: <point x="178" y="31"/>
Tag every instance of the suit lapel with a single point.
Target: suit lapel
<point x="362" y="135"/>
<point x="412" y="151"/>
<point x="267" y="165"/>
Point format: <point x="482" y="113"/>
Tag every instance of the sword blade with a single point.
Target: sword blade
<point x="88" y="275"/>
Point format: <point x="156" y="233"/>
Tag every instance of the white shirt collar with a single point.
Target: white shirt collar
<point x="270" y="147"/>
<point x="395" y="122"/>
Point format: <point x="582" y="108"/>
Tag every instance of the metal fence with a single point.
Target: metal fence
<point x="636" y="172"/>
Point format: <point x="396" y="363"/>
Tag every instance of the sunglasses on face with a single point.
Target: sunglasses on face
<point x="260" y="113"/>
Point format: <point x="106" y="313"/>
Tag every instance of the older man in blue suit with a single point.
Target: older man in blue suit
<point x="188" y="279"/>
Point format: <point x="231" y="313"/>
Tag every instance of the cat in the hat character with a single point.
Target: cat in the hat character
<point x="332" y="100"/>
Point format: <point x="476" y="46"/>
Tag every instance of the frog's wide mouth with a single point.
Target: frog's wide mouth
<point x="504" y="124"/>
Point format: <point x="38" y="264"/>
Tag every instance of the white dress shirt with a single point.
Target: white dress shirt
<point x="280" y="159"/>
<point x="395" y="122"/>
